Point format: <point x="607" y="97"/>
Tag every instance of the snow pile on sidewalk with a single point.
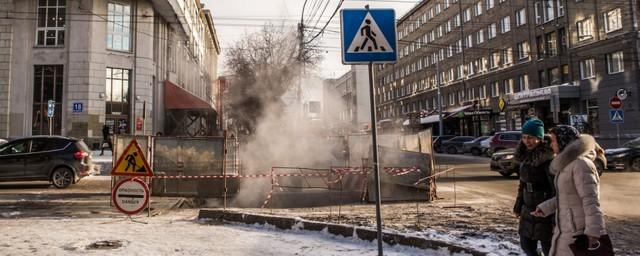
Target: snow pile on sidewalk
<point x="175" y="234"/>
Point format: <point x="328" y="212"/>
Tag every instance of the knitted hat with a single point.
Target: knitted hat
<point x="534" y="127"/>
<point x="565" y="134"/>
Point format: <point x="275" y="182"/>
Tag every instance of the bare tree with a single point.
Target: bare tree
<point x="264" y="66"/>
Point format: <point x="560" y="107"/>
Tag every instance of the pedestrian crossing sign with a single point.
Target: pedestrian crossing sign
<point x="368" y="35"/>
<point x="616" y="116"/>
<point x="132" y="162"/>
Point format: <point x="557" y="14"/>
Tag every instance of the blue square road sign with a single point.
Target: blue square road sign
<point x="616" y="116"/>
<point x="368" y="35"/>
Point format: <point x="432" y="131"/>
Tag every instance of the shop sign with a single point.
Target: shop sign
<point x="478" y="112"/>
<point x="531" y="95"/>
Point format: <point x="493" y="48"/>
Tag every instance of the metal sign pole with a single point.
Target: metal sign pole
<point x="376" y="170"/>
<point x="50" y="126"/>
<point x="618" y="133"/>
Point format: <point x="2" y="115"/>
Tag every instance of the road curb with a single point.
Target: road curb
<point x="336" y="229"/>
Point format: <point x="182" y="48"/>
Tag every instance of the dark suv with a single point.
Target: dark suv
<point x="60" y="160"/>
<point x="504" y="140"/>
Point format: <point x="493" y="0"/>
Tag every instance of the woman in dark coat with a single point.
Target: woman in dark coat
<point x="534" y="154"/>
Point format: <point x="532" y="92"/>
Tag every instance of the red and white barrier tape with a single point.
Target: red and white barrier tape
<point x="346" y="170"/>
<point x="268" y="199"/>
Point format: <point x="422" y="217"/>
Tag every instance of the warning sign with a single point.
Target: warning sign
<point x="132" y="162"/>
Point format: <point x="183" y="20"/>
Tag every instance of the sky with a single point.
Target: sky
<point x="235" y="18"/>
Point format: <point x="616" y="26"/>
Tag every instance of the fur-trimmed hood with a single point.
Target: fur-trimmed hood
<point x="540" y="154"/>
<point x="584" y="146"/>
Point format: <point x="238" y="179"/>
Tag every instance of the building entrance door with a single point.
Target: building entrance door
<point x="118" y="124"/>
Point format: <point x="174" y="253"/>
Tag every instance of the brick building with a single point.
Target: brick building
<point x="556" y="60"/>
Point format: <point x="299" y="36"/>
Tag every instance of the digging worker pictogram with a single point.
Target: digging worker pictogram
<point x="131" y="161"/>
<point x="366" y="31"/>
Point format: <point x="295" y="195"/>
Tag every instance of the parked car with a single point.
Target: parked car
<point x="437" y="142"/>
<point x="60" y="160"/>
<point x="3" y="141"/>
<point x="504" y="140"/>
<point x="504" y="162"/>
<point x="455" y="145"/>
<point x="485" y="145"/>
<point x="473" y="146"/>
<point x="626" y="157"/>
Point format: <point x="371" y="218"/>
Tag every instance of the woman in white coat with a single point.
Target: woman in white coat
<point x="577" y="203"/>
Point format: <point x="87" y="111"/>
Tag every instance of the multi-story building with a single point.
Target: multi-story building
<point x="135" y="65"/>
<point x="346" y="101"/>
<point x="499" y="62"/>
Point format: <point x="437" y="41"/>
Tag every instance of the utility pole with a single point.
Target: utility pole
<point x="440" y="128"/>
<point x="301" y="60"/>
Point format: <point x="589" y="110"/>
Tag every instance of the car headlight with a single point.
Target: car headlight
<point x="508" y="157"/>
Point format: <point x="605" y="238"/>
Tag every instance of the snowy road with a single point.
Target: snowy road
<point x="175" y="234"/>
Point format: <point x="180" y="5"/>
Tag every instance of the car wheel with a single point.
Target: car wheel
<point x="635" y="164"/>
<point x="506" y="174"/>
<point x="599" y="167"/>
<point x="452" y="150"/>
<point x="476" y="151"/>
<point x="62" y="177"/>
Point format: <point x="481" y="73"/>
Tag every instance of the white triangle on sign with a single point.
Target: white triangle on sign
<point x="616" y="116"/>
<point x="369" y="38"/>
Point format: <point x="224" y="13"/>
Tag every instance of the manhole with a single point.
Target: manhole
<point x="105" y="245"/>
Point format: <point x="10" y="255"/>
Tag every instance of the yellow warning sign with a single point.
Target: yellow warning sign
<point x="132" y="162"/>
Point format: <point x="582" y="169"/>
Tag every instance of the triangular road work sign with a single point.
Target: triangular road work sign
<point x="132" y="162"/>
<point x="369" y="38"/>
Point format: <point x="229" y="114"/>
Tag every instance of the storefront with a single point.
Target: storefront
<point x="553" y="105"/>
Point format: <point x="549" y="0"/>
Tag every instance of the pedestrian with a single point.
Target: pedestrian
<point x="106" y="138"/>
<point x="534" y="154"/>
<point x="576" y="204"/>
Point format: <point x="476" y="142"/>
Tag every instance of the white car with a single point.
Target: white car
<point x="485" y="144"/>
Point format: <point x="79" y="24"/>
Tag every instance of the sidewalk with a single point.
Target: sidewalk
<point x="102" y="163"/>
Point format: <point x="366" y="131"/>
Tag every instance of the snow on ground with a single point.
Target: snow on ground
<point x="176" y="234"/>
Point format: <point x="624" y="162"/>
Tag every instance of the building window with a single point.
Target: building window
<point x="565" y="74"/>
<point x="466" y="15"/>
<point x="615" y="62"/>
<point x="508" y="86"/>
<point x="541" y="51"/>
<point x="119" y="27"/>
<point x="548" y="10"/>
<point x="117" y="91"/>
<point x="585" y="29"/>
<point x="542" y="78"/>
<point x="495" y="89"/>
<point x="523" y="82"/>
<point x="492" y="30"/>
<point x="537" y="9"/>
<point x="551" y="43"/>
<point x="507" y="56"/>
<point x="494" y="58"/>
<point x="490" y="4"/>
<point x="47" y="85"/>
<point x="480" y="36"/>
<point x="438" y="10"/>
<point x="587" y="69"/>
<point x="478" y="8"/>
<point x="469" y="41"/>
<point x="523" y="50"/>
<point x="612" y="20"/>
<point x="560" y="8"/>
<point x="521" y="17"/>
<point x="51" y="23"/>
<point x="452" y="99"/>
<point x="470" y="69"/>
<point x="505" y="24"/>
<point x="446" y="4"/>
<point x="483" y="92"/>
<point x="554" y="75"/>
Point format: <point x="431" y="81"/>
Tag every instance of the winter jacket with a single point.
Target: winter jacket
<point x="535" y="187"/>
<point x="577" y="203"/>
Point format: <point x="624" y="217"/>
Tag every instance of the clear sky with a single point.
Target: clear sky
<point x="235" y="18"/>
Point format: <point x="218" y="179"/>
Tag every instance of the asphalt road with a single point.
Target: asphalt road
<point x="471" y="182"/>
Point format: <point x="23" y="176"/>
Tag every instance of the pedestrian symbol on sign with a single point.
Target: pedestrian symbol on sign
<point x="370" y="38"/>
